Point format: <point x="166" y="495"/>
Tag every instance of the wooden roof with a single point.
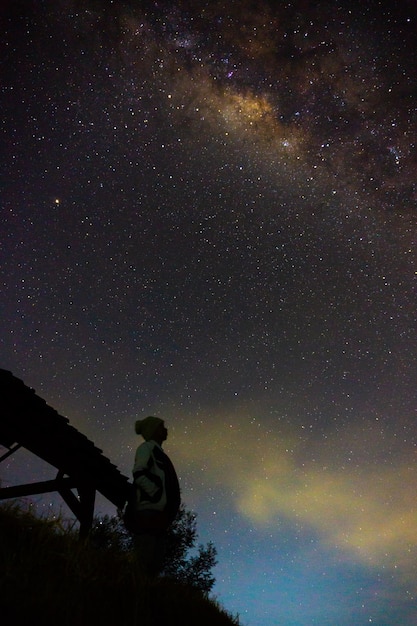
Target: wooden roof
<point x="27" y="420"/>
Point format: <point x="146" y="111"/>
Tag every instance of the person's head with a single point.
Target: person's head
<point x="152" y="428"/>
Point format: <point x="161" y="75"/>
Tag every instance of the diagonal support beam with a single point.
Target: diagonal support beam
<point x="82" y="507"/>
<point x="10" y="451"/>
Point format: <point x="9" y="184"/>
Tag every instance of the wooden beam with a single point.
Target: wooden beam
<point x="87" y="496"/>
<point x="10" y="451"/>
<point x="30" y="489"/>
<point x="82" y="507"/>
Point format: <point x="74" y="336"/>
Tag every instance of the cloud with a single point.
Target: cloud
<point x="341" y="487"/>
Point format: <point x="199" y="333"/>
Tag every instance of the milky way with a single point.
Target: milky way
<point x="209" y="214"/>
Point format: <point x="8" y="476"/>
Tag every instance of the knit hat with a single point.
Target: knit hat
<point x="147" y="426"/>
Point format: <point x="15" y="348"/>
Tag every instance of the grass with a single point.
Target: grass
<point x="48" y="576"/>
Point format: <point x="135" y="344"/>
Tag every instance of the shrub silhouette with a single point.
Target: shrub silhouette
<point x="180" y="563"/>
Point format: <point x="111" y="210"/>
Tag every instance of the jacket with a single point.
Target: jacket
<point x="157" y="486"/>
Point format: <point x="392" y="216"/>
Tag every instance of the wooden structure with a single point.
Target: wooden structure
<point x="27" y="421"/>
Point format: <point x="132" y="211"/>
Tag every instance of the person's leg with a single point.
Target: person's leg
<point x="160" y="552"/>
<point x="145" y="553"/>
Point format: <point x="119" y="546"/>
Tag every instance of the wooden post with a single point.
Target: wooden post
<point x="87" y="496"/>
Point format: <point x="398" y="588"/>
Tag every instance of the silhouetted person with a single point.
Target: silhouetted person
<point x="157" y="495"/>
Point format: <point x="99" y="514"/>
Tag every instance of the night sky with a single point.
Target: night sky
<point x="208" y="213"/>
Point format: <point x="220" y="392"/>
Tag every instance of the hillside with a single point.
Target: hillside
<point x="47" y="576"/>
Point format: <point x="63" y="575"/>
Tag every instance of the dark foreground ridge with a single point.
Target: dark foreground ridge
<point x="49" y="577"/>
<point x="26" y="420"/>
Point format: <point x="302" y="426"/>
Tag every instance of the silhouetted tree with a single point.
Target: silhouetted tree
<point x="185" y="562"/>
<point x="109" y="533"/>
<point x="194" y="570"/>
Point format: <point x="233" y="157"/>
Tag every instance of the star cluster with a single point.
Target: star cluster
<point x="209" y="213"/>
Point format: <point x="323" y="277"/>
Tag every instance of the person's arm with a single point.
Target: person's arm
<point x="143" y="477"/>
